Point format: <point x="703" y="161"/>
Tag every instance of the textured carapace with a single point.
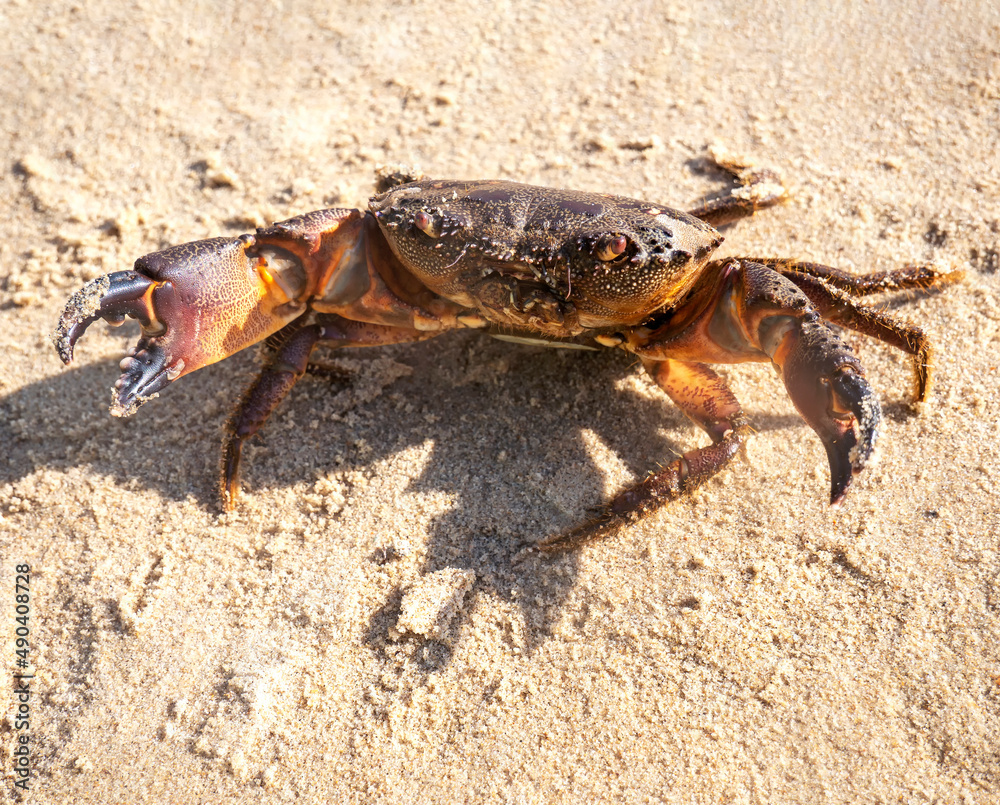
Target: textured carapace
<point x="614" y="259"/>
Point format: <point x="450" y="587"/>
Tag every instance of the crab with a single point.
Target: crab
<point x="558" y="267"/>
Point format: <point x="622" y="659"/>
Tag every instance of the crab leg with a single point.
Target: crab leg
<point x="831" y="289"/>
<point x="204" y="301"/>
<point x="760" y="311"/>
<point x="916" y="277"/>
<point x="758" y="188"/>
<point x="753" y="314"/>
<point x="288" y="363"/>
<point x="704" y="396"/>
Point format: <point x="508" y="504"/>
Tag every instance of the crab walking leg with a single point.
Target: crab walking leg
<point x="831" y="290"/>
<point x="283" y="370"/>
<point x="704" y="396"/>
<point x="916" y="277"/>
<point x="838" y="307"/>
<point x="758" y="189"/>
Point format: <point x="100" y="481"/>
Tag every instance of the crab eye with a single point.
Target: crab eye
<point x="612" y="248"/>
<point x="425" y="223"/>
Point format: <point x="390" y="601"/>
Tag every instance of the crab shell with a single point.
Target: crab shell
<point x="616" y="259"/>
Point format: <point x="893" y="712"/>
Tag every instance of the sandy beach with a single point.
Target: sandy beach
<point x="370" y="625"/>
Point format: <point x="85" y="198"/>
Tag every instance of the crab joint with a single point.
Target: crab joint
<point x="281" y="271"/>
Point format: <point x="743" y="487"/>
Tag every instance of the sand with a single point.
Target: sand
<point x="368" y="626"/>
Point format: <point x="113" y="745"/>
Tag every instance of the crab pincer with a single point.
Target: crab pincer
<point x="827" y="385"/>
<point x="113" y="298"/>
<point x="197" y="304"/>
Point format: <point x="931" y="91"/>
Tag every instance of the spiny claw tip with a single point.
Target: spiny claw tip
<point x="605" y="525"/>
<point x="144" y="374"/>
<point x="82" y="309"/>
<point x="230" y="485"/>
<point x="855" y="448"/>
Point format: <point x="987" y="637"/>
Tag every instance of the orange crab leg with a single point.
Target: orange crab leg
<point x="286" y="366"/>
<point x="752" y="314"/>
<point x="706" y="399"/>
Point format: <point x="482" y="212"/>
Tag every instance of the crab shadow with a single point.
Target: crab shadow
<point x="519" y="438"/>
<point x="63" y="422"/>
<point x="511" y="434"/>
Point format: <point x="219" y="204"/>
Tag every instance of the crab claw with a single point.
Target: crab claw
<point x="144" y="373"/>
<point x="827" y="385"/>
<point x="111" y="297"/>
<point x="197" y="303"/>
